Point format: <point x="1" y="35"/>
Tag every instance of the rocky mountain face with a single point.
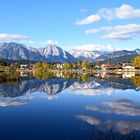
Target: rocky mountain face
<point x="117" y="54"/>
<point x="112" y="57"/>
<point x="16" y="51"/>
<point x="54" y="53"/>
<point x="86" y="55"/>
<point x="51" y="53"/>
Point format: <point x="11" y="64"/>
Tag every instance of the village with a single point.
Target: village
<point x="74" y="66"/>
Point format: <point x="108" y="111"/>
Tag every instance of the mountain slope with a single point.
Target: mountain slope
<point x="51" y="53"/>
<point x="86" y="55"/>
<point x="56" y="54"/>
<point x="117" y="54"/>
<point x="121" y="59"/>
<point x="17" y="51"/>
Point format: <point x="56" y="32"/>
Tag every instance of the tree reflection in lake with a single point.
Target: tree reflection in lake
<point x="9" y="77"/>
<point x="136" y="81"/>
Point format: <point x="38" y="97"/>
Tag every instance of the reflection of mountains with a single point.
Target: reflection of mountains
<point x="117" y="83"/>
<point x="51" y="86"/>
<point x="97" y="86"/>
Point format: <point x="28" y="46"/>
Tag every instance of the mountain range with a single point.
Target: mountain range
<point x="86" y="55"/>
<point x="53" y="53"/>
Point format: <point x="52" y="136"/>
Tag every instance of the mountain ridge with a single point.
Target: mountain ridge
<point x="53" y="53"/>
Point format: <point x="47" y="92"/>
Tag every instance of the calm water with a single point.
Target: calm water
<point x="70" y="107"/>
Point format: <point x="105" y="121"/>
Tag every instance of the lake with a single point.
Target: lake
<point x="70" y="106"/>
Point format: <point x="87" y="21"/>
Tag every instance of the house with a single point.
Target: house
<point x="58" y="66"/>
<point x="128" y="74"/>
<point x="26" y="66"/>
<point x="105" y="67"/>
<point x="23" y="66"/>
<point x="128" y="68"/>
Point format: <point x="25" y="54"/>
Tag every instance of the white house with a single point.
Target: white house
<point x="128" y="68"/>
<point x="58" y="66"/>
<point x="23" y="66"/>
<point x="128" y="74"/>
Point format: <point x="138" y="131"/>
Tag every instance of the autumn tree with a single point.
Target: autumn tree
<point x="136" y="62"/>
<point x="85" y="64"/>
<point x="38" y="65"/>
<point x="67" y="66"/>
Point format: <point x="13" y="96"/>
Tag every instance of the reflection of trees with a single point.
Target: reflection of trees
<point x="43" y="75"/>
<point x="85" y="77"/>
<point x="9" y="77"/>
<point x="136" y="81"/>
<point x="46" y="75"/>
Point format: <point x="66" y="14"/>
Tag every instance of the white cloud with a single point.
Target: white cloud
<point x="17" y="37"/>
<point x="50" y="42"/>
<point x="97" y="30"/>
<point x="94" y="47"/>
<point x="92" y="31"/>
<point x="125" y="11"/>
<point x="124" y="32"/>
<point x="106" y="13"/>
<point x="88" y="20"/>
<point x="120" y="32"/>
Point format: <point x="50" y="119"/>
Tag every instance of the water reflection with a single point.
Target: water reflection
<point x="119" y="107"/>
<point x="12" y="102"/>
<point x="51" y="84"/>
<point x="14" y="85"/>
<point x="123" y="127"/>
<point x="112" y="105"/>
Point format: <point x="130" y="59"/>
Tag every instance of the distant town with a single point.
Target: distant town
<point x="80" y="66"/>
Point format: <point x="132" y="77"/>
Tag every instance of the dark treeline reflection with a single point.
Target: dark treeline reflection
<point x="16" y="84"/>
<point x="9" y="77"/>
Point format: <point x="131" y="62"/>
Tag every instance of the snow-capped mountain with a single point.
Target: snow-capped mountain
<point x="56" y="54"/>
<point x="51" y="53"/>
<point x="117" y="54"/>
<point x="138" y="51"/>
<point x="86" y="55"/>
<point x="17" y="51"/>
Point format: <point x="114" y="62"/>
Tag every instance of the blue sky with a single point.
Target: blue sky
<point x="79" y="24"/>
